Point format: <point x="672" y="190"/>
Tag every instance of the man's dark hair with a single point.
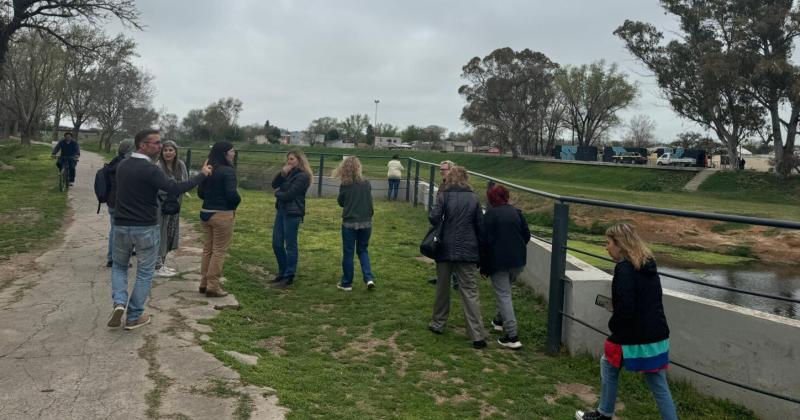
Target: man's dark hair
<point x="216" y="157"/>
<point x="395" y="156"/>
<point x="68" y="134"/>
<point x="140" y="136"/>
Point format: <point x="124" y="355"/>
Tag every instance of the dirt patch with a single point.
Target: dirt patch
<point x="323" y="308"/>
<point x="767" y="244"/>
<point x="274" y="345"/>
<point x="424" y="259"/>
<point x="488" y="410"/>
<point x="433" y="376"/>
<point x="21" y="216"/>
<point x="454" y="400"/>
<point x="585" y="393"/>
<point x="366" y="345"/>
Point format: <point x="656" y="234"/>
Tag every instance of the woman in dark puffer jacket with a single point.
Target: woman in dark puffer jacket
<point x="460" y="211"/>
<point x="290" y="185"/>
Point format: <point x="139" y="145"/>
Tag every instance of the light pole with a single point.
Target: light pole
<point x="376" y="117"/>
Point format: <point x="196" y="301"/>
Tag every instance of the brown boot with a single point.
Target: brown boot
<point x="216" y="294"/>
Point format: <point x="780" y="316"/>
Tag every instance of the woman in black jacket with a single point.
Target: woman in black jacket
<point x="291" y="185"/>
<point x="220" y="200"/>
<point x="639" y="337"/>
<point x="458" y="208"/>
<point x="505" y="238"/>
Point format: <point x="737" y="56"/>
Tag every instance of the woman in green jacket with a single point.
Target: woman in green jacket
<point x="355" y="198"/>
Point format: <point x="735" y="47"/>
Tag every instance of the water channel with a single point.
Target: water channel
<point x="773" y="279"/>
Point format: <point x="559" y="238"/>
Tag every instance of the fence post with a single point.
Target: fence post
<point x="321" y="169"/>
<point x="558" y="262"/>
<point x="188" y="159"/>
<point x="408" y="181"/>
<point x="416" y="185"/>
<point x="430" y="188"/>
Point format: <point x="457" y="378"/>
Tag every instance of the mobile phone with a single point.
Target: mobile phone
<point x="605" y="302"/>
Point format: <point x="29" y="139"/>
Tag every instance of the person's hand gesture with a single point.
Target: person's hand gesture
<point x="286" y="169"/>
<point x="206" y="169"/>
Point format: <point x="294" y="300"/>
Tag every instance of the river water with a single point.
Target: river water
<point x="775" y="280"/>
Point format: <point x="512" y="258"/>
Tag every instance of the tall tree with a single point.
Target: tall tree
<point x="323" y="126"/>
<point x="505" y="92"/>
<point x="354" y="127"/>
<point x="593" y="95"/>
<point x="30" y="85"/>
<point x="411" y="134"/>
<point x="640" y="132"/>
<point x="169" y="126"/>
<point x="51" y="18"/>
<point x="386" y="130"/>
<point x="701" y="73"/>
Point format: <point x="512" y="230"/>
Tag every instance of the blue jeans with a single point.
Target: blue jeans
<point x="110" y="255"/>
<point x="145" y="240"/>
<point x="657" y="382"/>
<point x="355" y="240"/>
<point x="284" y="242"/>
<point x="394" y="188"/>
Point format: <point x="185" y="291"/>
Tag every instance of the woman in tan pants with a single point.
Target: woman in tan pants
<point x="220" y="200"/>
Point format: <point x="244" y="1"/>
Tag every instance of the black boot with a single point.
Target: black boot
<point x="277" y="279"/>
<point x="285" y="282"/>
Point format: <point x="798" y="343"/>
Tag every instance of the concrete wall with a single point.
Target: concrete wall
<point x="734" y="343"/>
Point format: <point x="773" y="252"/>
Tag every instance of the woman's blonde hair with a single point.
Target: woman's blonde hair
<point x="632" y="246"/>
<point x="303" y="162"/>
<point x="349" y="171"/>
<point x="458" y="177"/>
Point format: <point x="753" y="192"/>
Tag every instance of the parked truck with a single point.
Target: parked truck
<point x="668" y="159"/>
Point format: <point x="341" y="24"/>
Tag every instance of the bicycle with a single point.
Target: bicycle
<point x="63" y="173"/>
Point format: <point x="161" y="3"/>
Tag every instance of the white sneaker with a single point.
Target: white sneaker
<point x="344" y="289"/>
<point x="170" y="269"/>
<point x="163" y="272"/>
<point x="370" y="285"/>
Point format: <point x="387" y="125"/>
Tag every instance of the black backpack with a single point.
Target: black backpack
<point x="102" y="185"/>
<point x="171" y="205"/>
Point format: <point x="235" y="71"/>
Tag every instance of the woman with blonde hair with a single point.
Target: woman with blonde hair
<point x="291" y="184"/>
<point x="169" y="216"/>
<point x="355" y="198"/>
<point x="458" y="208"/>
<point x="639" y="338"/>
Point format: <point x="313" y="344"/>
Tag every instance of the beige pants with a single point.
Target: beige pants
<point x="217" y="234"/>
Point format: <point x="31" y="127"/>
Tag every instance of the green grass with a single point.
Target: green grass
<point x="31" y="207"/>
<point x="364" y="354"/>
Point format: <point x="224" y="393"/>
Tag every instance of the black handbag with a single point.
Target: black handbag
<point x="432" y="242"/>
<point x="171" y="206"/>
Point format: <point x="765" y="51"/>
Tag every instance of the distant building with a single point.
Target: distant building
<point x="387" y="142"/>
<point x="340" y="144"/>
<point x="457" y="146"/>
<point x="261" y="139"/>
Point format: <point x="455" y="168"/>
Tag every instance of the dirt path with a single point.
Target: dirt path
<point x="60" y="361"/>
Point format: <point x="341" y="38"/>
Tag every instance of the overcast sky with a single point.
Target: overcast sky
<point x="294" y="61"/>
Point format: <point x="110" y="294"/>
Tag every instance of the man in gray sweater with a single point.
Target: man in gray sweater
<point x="136" y="225"/>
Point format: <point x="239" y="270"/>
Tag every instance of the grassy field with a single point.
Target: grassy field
<point x="333" y="354"/>
<point x="31" y="207"/>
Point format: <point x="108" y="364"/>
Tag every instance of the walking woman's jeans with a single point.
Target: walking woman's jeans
<point x="145" y="240"/>
<point x="217" y="234"/>
<point x="657" y="382"/>
<point x="355" y="240"/>
<point x="501" y="282"/>
<point x="394" y="188"/>
<point x="284" y="242"/>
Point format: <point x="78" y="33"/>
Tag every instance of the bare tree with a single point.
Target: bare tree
<point x="29" y="89"/>
<point x="640" y="132"/>
<point x="354" y="127"/>
<point x="50" y="18"/>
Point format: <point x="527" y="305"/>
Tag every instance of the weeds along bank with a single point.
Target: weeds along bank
<point x="370" y="355"/>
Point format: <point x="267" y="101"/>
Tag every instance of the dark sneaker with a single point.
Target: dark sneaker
<point x="285" y="282"/>
<point x="109" y="264"/>
<point x="593" y="415"/>
<point x="370" y="285"/>
<point x="497" y="325"/>
<point x="216" y="294"/>
<point x="344" y="288"/>
<point x="202" y="289"/>
<point x="480" y="344"/>
<point x="141" y="322"/>
<point x="276" y="279"/>
<point x="115" y="320"/>
<point x="434" y="330"/>
<point x="510" y="342"/>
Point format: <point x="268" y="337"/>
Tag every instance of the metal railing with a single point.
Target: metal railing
<point x="559" y="242"/>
